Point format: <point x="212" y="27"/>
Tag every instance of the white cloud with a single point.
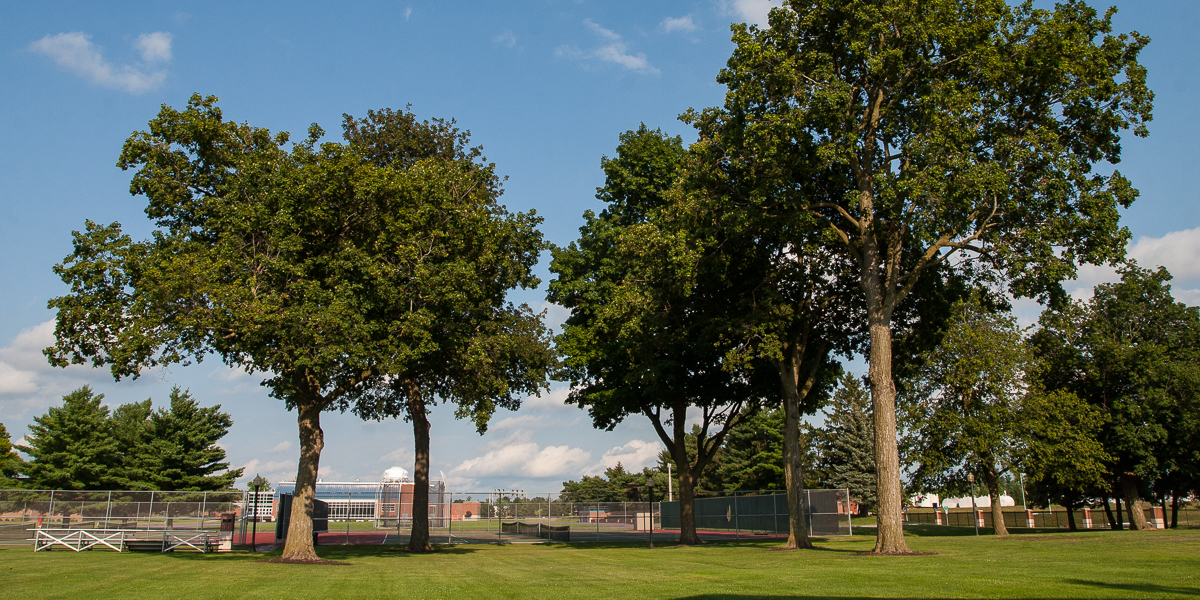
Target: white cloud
<point x="556" y="315"/>
<point x="615" y="51"/>
<point x="407" y="13"/>
<point x="283" y="446"/>
<point x="553" y="399"/>
<point x="634" y="456"/>
<point x="28" y="382"/>
<point x="519" y="455"/>
<point x="684" y="23"/>
<point x="76" y="53"/>
<point x="155" y="47"/>
<point x="1178" y="251"/>
<point x="506" y="38"/>
<point x="1188" y="297"/>
<point x="753" y="12"/>
<point x="273" y="471"/>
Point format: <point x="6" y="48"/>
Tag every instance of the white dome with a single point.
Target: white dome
<point x="394" y="474"/>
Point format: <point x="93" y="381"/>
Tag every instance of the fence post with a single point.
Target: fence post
<point x="108" y="510"/>
<point x="775" y="511"/>
<point x="596" y="518"/>
<point x="737" y="531"/>
<point x="50" y="512"/>
<point x="450" y="523"/>
<point x="203" y="509"/>
<point x="150" y="512"/>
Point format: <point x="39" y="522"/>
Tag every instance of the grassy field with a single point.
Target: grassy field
<point x="1097" y="564"/>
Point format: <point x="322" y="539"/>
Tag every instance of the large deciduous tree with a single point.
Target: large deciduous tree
<point x="306" y="263"/>
<point x="1130" y="352"/>
<point x="473" y="348"/>
<point x="920" y="133"/>
<point x="645" y="331"/>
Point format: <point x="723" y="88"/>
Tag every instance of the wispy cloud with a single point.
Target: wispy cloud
<point x="283" y="446"/>
<point x="76" y="53"/>
<point x="614" y="50"/>
<point x="407" y="13"/>
<point x="684" y="23"/>
<point x="506" y="38"/>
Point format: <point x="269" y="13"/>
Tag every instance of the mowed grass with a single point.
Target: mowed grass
<point x="1096" y="564"/>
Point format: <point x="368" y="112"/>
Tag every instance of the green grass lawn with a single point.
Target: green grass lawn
<point x="1097" y="564"/>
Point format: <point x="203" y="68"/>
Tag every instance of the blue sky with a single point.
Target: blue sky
<point x="545" y="86"/>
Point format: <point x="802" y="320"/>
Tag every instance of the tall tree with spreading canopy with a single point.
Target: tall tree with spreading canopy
<point x="305" y="263"/>
<point x="919" y="133"/>
<point x="645" y="331"/>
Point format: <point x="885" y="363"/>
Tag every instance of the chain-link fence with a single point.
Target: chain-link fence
<point x="23" y="510"/>
<point x="827" y="513"/>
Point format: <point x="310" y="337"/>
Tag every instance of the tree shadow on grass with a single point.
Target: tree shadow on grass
<point x="335" y="553"/>
<point x="1144" y="588"/>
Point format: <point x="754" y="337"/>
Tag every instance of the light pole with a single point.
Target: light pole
<point x="974" y="511"/>
<point x="254" y="516"/>
<point x="650" y="512"/>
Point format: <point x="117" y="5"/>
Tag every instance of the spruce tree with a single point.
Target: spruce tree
<point x="180" y="450"/>
<point x="72" y="446"/>
<point x="847" y="444"/>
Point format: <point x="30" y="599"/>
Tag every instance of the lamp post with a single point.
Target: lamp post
<point x="974" y="511"/>
<point x="650" y="512"/>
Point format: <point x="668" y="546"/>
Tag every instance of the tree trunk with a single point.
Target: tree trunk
<point x="993" y="484"/>
<point x="687" y="505"/>
<point x="299" y="544"/>
<point x="1070" y="516"/>
<point x="793" y="464"/>
<point x="1112" y="521"/>
<point x="1175" y="509"/>
<point x="689" y="474"/>
<point x="1133" y="503"/>
<point x="890" y="530"/>
<point x="418" y="540"/>
<point x="1120" y="519"/>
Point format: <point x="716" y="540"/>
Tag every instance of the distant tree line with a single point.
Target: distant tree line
<point x="82" y="445"/>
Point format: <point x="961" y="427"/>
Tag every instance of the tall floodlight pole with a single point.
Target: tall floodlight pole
<point x="254" y="517"/>
<point x="650" y="512"/>
<point x="974" y="511"/>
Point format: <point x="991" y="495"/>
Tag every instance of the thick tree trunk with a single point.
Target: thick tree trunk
<point x="993" y="484"/>
<point x="793" y="465"/>
<point x="1133" y="503"/>
<point x="890" y="531"/>
<point x="1175" y="509"/>
<point x="1112" y="521"/>
<point x="418" y="540"/>
<point x="689" y="474"/>
<point x="1120" y="525"/>
<point x="299" y="544"/>
<point x="687" y="507"/>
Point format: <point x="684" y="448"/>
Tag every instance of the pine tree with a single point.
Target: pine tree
<point x="752" y="456"/>
<point x="847" y="444"/>
<point x="180" y="450"/>
<point x="73" y="447"/>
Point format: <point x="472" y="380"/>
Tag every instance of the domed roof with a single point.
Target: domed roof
<point x="394" y="474"/>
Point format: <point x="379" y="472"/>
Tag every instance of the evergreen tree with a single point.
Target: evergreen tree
<point x="181" y="451"/>
<point x="260" y="483"/>
<point x="752" y="456"/>
<point x="73" y="447"/>
<point x="11" y="465"/>
<point x="847" y="444"/>
<point x="128" y="424"/>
